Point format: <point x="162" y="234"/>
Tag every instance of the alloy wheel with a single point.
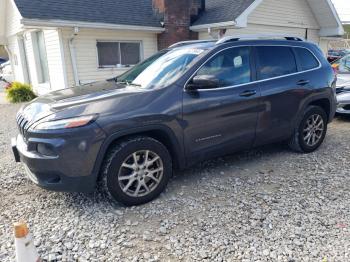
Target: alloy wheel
<point x="140" y="173"/>
<point x="313" y="130"/>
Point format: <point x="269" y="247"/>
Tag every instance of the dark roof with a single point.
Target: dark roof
<point x="217" y="11"/>
<point x="124" y="12"/>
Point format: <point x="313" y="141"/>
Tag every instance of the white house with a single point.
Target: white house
<point x="56" y="44"/>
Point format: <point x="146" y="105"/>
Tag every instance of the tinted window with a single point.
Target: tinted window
<point x="231" y="67"/>
<point x="275" y="61"/>
<point x="306" y="59"/>
<point x="111" y="54"/>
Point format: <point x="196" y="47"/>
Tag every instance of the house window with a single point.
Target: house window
<point x="111" y="54"/>
<point x="40" y="56"/>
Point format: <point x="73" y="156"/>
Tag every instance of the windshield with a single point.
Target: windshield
<point x="342" y="65"/>
<point x="161" y="69"/>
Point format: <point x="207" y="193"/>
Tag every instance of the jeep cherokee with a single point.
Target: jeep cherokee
<point x="193" y="101"/>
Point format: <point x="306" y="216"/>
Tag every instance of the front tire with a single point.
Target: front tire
<point x="310" y="131"/>
<point x="136" y="171"/>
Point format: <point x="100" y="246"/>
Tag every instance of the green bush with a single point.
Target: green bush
<point x="18" y="92"/>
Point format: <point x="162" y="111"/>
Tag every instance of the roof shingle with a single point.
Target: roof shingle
<point x="122" y="12"/>
<point x="217" y="11"/>
<point x="130" y="12"/>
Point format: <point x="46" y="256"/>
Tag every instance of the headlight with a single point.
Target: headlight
<point x="65" y="123"/>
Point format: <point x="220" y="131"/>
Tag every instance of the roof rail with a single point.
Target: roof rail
<point x="183" y="43"/>
<point x="256" y="37"/>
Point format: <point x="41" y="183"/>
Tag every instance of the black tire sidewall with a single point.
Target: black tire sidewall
<point x="312" y="111"/>
<point x="125" y="151"/>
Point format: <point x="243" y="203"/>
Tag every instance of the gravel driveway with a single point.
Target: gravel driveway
<point x="2" y="93"/>
<point x="267" y="204"/>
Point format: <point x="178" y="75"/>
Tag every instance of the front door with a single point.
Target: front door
<point x="222" y="119"/>
<point x="24" y="61"/>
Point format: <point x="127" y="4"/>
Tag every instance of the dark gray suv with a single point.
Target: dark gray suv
<point x="188" y="103"/>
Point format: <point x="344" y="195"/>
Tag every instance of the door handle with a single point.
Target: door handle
<point x="248" y="93"/>
<point x="303" y="82"/>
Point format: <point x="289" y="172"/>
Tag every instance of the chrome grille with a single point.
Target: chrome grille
<point x="22" y="125"/>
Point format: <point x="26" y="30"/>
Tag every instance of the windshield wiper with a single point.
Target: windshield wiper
<point x="126" y="82"/>
<point x="132" y="84"/>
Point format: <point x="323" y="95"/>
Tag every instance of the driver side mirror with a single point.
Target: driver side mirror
<point x="203" y="82"/>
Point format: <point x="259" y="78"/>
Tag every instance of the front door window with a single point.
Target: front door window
<point x="230" y="67"/>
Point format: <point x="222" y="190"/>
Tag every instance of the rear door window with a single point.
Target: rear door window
<point x="307" y="60"/>
<point x="275" y="61"/>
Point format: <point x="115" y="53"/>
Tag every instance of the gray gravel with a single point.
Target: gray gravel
<point x="2" y="94"/>
<point x="267" y="204"/>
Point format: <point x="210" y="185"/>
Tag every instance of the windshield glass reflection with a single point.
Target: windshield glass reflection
<point x="161" y="69"/>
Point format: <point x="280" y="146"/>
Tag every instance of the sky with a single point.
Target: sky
<point x="343" y="8"/>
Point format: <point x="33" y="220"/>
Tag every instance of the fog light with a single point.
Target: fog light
<point x="45" y="149"/>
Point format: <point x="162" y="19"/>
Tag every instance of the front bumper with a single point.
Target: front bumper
<point x="67" y="166"/>
<point x="343" y="109"/>
<point x="342" y="89"/>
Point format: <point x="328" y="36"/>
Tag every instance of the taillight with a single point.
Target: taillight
<point x="335" y="69"/>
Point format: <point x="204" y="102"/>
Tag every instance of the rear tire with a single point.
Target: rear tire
<point x="136" y="171"/>
<point x="310" y="131"/>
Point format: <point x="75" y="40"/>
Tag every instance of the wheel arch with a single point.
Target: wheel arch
<point x="323" y="100"/>
<point x="324" y="103"/>
<point x="161" y="133"/>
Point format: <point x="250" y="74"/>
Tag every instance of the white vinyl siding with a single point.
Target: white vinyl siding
<point x="86" y="51"/>
<point x="254" y="29"/>
<point x="286" y="13"/>
<point x="13" y="18"/>
<point x="10" y="26"/>
<point x="2" y="23"/>
<point x="16" y="62"/>
<point x="288" y="17"/>
<point x="55" y="59"/>
<point x="54" y="62"/>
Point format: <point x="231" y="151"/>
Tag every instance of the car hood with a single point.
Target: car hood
<point x="57" y="101"/>
<point x="343" y="80"/>
<point x="344" y="98"/>
<point x="85" y="93"/>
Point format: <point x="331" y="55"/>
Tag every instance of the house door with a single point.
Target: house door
<point x="24" y="61"/>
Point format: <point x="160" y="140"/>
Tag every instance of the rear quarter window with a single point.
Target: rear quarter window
<point x="306" y="59"/>
<point x="275" y="61"/>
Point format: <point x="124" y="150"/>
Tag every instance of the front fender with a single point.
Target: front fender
<point x="177" y="145"/>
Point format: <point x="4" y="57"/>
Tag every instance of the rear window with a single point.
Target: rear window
<point x="275" y="61"/>
<point x="306" y="59"/>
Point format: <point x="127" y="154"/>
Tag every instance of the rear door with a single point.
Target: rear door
<point x="283" y="87"/>
<point x="223" y="119"/>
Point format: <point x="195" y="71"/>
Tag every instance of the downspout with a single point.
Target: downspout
<point x="73" y="56"/>
<point x="8" y="50"/>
